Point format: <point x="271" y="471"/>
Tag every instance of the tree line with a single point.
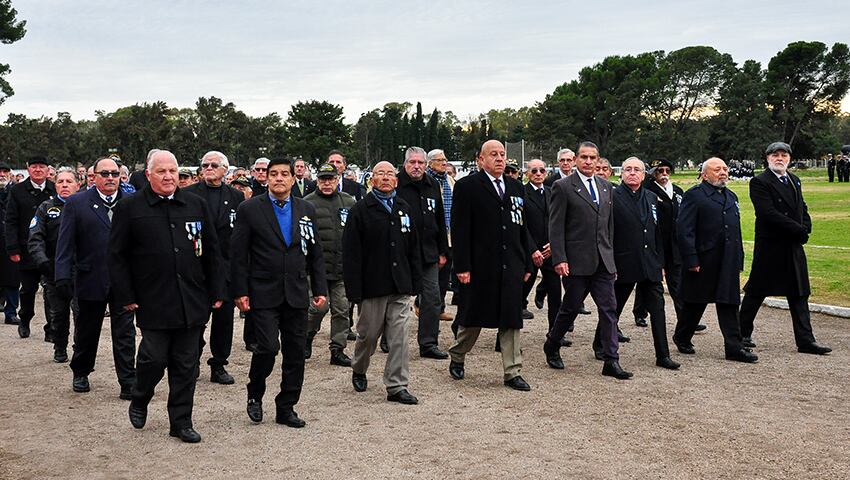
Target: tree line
<point x="684" y="105"/>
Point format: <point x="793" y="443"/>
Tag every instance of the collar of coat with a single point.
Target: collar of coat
<point x="153" y="198"/>
<point x="426" y="182"/>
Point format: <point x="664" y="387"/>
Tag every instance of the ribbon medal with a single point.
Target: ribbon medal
<point x="405" y="222"/>
<point x="232" y="217"/>
<point x="343" y="216"/>
<point x="516" y="210"/>
<point x="305" y="226"/>
<point x="431" y="204"/>
<point x="194" y="235"/>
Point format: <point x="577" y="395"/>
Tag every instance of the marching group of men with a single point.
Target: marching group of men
<point x="287" y="250"/>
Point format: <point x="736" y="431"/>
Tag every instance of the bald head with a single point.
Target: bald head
<point x="492" y="157"/>
<point x="715" y="172"/>
<point x="162" y="172"/>
<point x="384" y="177"/>
<point x="634" y="172"/>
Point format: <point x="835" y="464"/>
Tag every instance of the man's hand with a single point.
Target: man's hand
<point x="537" y="258"/>
<point x="243" y="303"/>
<point x="217" y="304"/>
<point x="464" y="277"/>
<point x="131" y="307"/>
<point x="15" y="258"/>
<point x="526" y="276"/>
<point x="562" y="269"/>
<point x="441" y="261"/>
<point x="694" y="269"/>
<point x="319" y="301"/>
<point x="547" y="251"/>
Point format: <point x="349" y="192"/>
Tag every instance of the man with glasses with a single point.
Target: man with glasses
<point x="438" y="168"/>
<point x="223" y="201"/>
<point x="82" y="271"/>
<point x="260" y="176"/>
<point x="566" y="162"/>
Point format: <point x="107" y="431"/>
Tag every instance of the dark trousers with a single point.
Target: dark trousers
<point x="673" y="277"/>
<point x="248" y="334"/>
<point x="221" y="335"/>
<point x="601" y="287"/>
<point x="29" y="287"/>
<point x="727" y="317"/>
<point x="831" y="173"/>
<point x="289" y="325"/>
<point x="177" y="350"/>
<point x="801" y="319"/>
<point x="551" y="286"/>
<point x="444" y="281"/>
<point x="12" y="297"/>
<point x="60" y="311"/>
<point x="653" y="295"/>
<point x="87" y="328"/>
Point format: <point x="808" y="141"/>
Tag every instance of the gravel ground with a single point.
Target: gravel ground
<point x="785" y="417"/>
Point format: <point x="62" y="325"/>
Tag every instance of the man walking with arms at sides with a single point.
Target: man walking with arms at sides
<point x="164" y="264"/>
<point x="332" y="209"/>
<point x="709" y="230"/>
<point x="437" y="166"/>
<point x="492" y="259"/>
<point x="383" y="271"/>
<point x="223" y="202"/>
<point x="779" y="267"/>
<point x="581" y="229"/>
<point x="275" y="249"/>
<point x="9" y="277"/>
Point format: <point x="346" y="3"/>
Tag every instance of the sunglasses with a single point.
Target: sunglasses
<point x="537" y="170"/>
<point x="108" y="173"/>
<point x="260" y="169"/>
<point x="662" y="170"/>
<point x="212" y="165"/>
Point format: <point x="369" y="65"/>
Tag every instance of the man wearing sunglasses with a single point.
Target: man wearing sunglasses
<point x="260" y="176"/>
<point x="223" y="201"/>
<point x="81" y="254"/>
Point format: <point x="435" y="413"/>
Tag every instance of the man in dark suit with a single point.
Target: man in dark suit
<point x="303" y="185"/>
<point x="492" y="255"/>
<point x="223" y="201"/>
<point x="21" y="204"/>
<point x="337" y="159"/>
<point x="830" y="168"/>
<point x="82" y="271"/>
<point x="260" y="176"/>
<point x="639" y="254"/>
<point x="581" y="229"/>
<point x="275" y="249"/>
<point x="9" y="278"/>
<point x="709" y="234"/>
<point x="566" y="163"/>
<point x="537" y="200"/>
<point x="779" y="266"/>
<point x="164" y="264"/>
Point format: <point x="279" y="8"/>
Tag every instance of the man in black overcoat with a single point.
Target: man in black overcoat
<point x="9" y="277"/>
<point x="492" y="259"/>
<point x="709" y="233"/>
<point x="164" y="264"/>
<point x="779" y="265"/>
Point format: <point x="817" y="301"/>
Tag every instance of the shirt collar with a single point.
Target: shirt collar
<point x="583" y="178"/>
<point x="493" y="179"/>
<point x="37" y="186"/>
<point x="535" y="187"/>
<point x="114" y="195"/>
<point x="778" y="175"/>
<point x="667" y="189"/>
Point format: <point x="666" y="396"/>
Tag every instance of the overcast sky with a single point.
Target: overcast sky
<point x="81" y="56"/>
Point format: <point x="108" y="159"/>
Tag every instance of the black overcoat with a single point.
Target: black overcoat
<point x="783" y="225"/>
<point x="638" y="248"/>
<point x="164" y="256"/>
<point x="709" y="230"/>
<point x="9" y="276"/>
<point x="537" y="219"/>
<point x="668" y="212"/>
<point x="425" y="198"/>
<point x="491" y="242"/>
<point x="21" y="204"/>
<point x="229" y="201"/>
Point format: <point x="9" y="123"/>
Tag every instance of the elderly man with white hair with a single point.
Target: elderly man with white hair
<point x="260" y="176"/>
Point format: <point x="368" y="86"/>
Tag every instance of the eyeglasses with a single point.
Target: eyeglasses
<point x="212" y="165"/>
<point x="662" y="170"/>
<point x="563" y="160"/>
<point x="537" y="170"/>
<point x="108" y="173"/>
<point x="260" y="169"/>
<point x="384" y="174"/>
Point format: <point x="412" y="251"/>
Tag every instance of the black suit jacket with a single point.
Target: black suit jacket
<point x="638" y="249"/>
<point x="309" y="187"/>
<point x="537" y="218"/>
<point x="426" y="205"/>
<point x="229" y="201"/>
<point x="264" y="268"/>
<point x="21" y="204"/>
<point x="668" y="212"/>
<point x="353" y="188"/>
<point x="553" y="177"/>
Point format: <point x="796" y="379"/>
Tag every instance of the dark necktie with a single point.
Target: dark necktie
<point x="109" y="206"/>
<point x="784" y="180"/>
<point x="498" y="182"/>
<point x="278" y="203"/>
<point x="592" y="191"/>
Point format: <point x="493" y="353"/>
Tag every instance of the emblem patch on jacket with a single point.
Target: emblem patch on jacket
<point x="405" y="222"/>
<point x="54" y="212"/>
<point x="431" y="204"/>
<point x="194" y="231"/>
<point x="305" y="226"/>
<point x="343" y="216"/>
<point x="516" y="210"/>
<point x="678" y="199"/>
<point x="33" y="222"/>
<point x="232" y="216"/>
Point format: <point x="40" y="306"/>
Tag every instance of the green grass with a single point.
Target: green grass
<point x="829" y="207"/>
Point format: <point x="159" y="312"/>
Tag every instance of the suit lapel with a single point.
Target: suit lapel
<point x="488" y="185"/>
<point x="297" y="213"/>
<point x="268" y="212"/>
<point x="535" y="198"/>
<point x="786" y="192"/>
<point x="99" y="209"/>
<point x="583" y="192"/>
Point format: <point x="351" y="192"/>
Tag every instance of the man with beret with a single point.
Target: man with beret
<point x="332" y="209"/>
<point x="709" y="235"/>
<point x="23" y="200"/>
<point x="9" y="277"/>
<point x="164" y="265"/>
<point x="243" y="185"/>
<point x="779" y="265"/>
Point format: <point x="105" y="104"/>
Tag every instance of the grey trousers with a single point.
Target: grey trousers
<point x="338" y="305"/>
<point x="508" y="339"/>
<point x="430" y="305"/>
<point x="387" y="316"/>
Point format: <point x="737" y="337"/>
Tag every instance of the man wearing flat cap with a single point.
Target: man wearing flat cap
<point x="779" y="265"/>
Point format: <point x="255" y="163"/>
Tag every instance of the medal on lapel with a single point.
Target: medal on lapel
<point x="305" y="226"/>
<point x="194" y="231"/>
<point x="343" y="216"/>
<point x="654" y="213"/>
<point x="430" y="204"/>
<point x="405" y="222"/>
<point x="232" y="217"/>
<point x="516" y="210"/>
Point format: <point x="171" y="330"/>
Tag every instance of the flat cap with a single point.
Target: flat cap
<point x="776" y="146"/>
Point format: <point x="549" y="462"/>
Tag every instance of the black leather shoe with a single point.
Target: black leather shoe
<point x="188" y="435"/>
<point x="538" y="302"/>
<point x="583" y="311"/>
<point x="60" y="356"/>
<point x="24" y="330"/>
<point x="81" y="384"/>
<point x="748" y="342"/>
<point x="640" y="322"/>
<point x="526" y="314"/>
<point x="433" y="352"/>
<point x="251" y="347"/>
<point x="384" y="347"/>
<point x="622" y="338"/>
<point x="553" y="356"/>
<point x="667" y="362"/>
<point x="814" y="349"/>
<point x="126" y="392"/>
<point x="700" y="327"/>
<point x="686" y="348"/>
<point x="255" y="410"/>
<point x="742" y="355"/>
<point x="351" y="336"/>
<point x="219" y="375"/>
<point x="308" y="349"/>
<point x="289" y="418"/>
<point x="338" y="357"/>
<point x="13" y="320"/>
<point x="48" y="337"/>
<point x="138" y="415"/>
<point x="612" y="368"/>
<point x="359" y="381"/>
<point x="456" y="370"/>
<point x="404" y="397"/>
<point x="517" y="383"/>
<point x="565" y="342"/>
<point x="597" y="354"/>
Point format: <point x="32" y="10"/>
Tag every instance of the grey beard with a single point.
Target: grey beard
<point x="718" y="184"/>
<point x="777" y="169"/>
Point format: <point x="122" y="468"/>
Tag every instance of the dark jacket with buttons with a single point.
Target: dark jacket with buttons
<point x="331" y="216"/>
<point x="638" y="247"/>
<point x="264" y="268"/>
<point x="229" y="201"/>
<point x="380" y="251"/>
<point x="44" y="232"/>
<point x="164" y="256"/>
<point x="425" y="198"/>
<point x="21" y="204"/>
<point x="668" y="212"/>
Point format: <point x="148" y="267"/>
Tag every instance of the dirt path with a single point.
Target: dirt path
<point x="785" y="417"/>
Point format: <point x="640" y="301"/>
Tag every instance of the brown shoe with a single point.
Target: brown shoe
<point x="445" y="317"/>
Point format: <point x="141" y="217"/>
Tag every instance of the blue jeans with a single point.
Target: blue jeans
<point x="12" y="298"/>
